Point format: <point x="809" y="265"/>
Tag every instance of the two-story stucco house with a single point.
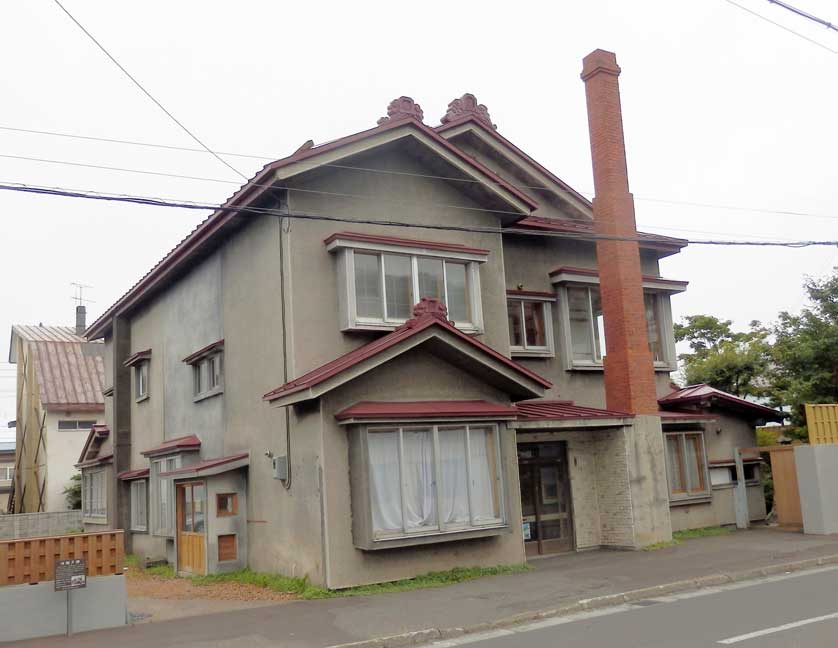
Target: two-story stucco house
<point x="405" y="350"/>
<point x="58" y="399"/>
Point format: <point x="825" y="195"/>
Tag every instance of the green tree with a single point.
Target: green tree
<point x="804" y="356"/>
<point x="735" y="362"/>
<point x="72" y="492"/>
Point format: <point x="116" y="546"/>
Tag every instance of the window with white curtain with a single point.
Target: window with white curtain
<point x="434" y="479"/>
<point x="94" y="494"/>
<point x="164" y="495"/>
<point x="139" y="505"/>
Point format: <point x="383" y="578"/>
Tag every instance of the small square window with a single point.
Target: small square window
<point x="208" y="376"/>
<point x="226" y="504"/>
<point x="530" y="327"/>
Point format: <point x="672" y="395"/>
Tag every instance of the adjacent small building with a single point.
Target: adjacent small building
<point x="7" y="464"/>
<point x="59" y="398"/>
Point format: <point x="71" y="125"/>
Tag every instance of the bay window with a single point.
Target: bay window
<point x="686" y="468"/>
<point x="435" y="479"/>
<point x="587" y="329"/>
<point x="379" y="283"/>
<point x="652" y="306"/>
<point x="530" y="326"/>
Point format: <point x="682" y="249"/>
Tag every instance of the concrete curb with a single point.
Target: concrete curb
<point x="714" y="580"/>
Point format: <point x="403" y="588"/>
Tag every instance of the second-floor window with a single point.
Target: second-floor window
<point x="530" y="326"/>
<point x="141" y="380"/>
<point x="388" y="285"/>
<point x="75" y="425"/>
<point x="208" y="375"/>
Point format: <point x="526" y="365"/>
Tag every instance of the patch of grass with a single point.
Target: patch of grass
<point x="706" y="532"/>
<point x="302" y="588"/>
<point x="132" y="560"/>
<point x="163" y="571"/>
<point x="679" y="536"/>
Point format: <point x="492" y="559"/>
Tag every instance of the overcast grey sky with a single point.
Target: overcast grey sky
<point x="719" y="107"/>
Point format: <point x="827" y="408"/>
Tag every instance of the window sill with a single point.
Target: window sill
<point x="215" y="391"/>
<point x="592" y="366"/>
<point x="141" y="399"/>
<point x="531" y="353"/>
<point x="433" y="537"/>
<point x="665" y="367"/>
<point x="704" y="498"/>
<point x="468" y="329"/>
<point x="139" y="530"/>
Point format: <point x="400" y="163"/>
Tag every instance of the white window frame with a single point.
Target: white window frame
<point x="688" y="494"/>
<point x="141" y="380"/>
<point x="164" y="488"/>
<point x="664" y="313"/>
<point x="202" y="373"/>
<point x="346" y="292"/>
<point x="94" y="495"/>
<point x="527" y="350"/>
<point x="83" y="425"/>
<point x="441" y="528"/>
<point x="139" y="505"/>
<point x="9" y="472"/>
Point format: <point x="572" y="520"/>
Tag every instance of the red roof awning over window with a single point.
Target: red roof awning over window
<point x="377" y="410"/>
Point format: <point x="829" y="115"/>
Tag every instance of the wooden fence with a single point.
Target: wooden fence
<point x="822" y="421"/>
<point x="32" y="560"/>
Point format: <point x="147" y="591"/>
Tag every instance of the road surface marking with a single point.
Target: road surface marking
<point x="775" y="629"/>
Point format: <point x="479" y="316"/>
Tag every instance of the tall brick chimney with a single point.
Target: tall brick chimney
<point x="629" y="368"/>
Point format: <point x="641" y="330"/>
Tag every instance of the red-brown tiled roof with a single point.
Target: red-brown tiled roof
<point x="562" y="409"/>
<point x="200" y="353"/>
<point x="587" y="227"/>
<point x="206" y="465"/>
<point x="371" y="410"/>
<point x="190" y="442"/>
<point x="428" y="313"/>
<point x="70" y="376"/>
<point x="703" y="395"/>
<point x="140" y="473"/>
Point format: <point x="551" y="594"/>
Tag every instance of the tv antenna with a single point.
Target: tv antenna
<point x="79" y="297"/>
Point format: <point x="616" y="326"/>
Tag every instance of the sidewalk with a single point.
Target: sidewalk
<point x="554" y="582"/>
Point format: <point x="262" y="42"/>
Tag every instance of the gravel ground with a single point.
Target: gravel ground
<point x="141" y="585"/>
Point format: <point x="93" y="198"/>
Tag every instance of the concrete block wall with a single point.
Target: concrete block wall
<point x="614" y="490"/>
<point x="36" y="525"/>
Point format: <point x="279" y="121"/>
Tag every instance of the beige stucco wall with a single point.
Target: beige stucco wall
<point x="63" y="450"/>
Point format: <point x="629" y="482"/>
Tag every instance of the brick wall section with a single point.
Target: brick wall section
<point x="614" y="490"/>
<point x="629" y="369"/>
<point x="581" y="451"/>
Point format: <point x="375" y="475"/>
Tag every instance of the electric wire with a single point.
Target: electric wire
<point x="804" y="14"/>
<point x="147" y="93"/>
<point x="148" y="201"/>
<point x="706" y="205"/>
<point x="781" y="26"/>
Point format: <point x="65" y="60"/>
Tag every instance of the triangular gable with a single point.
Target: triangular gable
<point x="512" y="203"/>
<point x="470" y="125"/>
<point x="431" y="329"/>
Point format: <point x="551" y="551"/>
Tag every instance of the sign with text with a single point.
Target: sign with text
<point x="70" y="574"/>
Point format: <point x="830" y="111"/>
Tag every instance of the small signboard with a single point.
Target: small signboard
<point x="527" y="531"/>
<point x="70" y="574"/>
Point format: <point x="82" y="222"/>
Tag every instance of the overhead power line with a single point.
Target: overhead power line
<point x="147" y="93"/>
<point x="178" y="176"/>
<point x="804" y="14"/>
<point x="157" y="202"/>
<point x="781" y="26"/>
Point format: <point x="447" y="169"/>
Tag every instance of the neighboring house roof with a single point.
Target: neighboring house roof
<point x="189" y="442"/>
<point x="219" y="221"/>
<point x="377" y="410"/>
<point x="705" y="396"/>
<point x="563" y="409"/>
<point x="211" y="466"/>
<point x="428" y="314"/>
<point x="70" y="370"/>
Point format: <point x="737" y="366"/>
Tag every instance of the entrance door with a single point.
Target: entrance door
<point x="545" y="497"/>
<point x="191" y="528"/>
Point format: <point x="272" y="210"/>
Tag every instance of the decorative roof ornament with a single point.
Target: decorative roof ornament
<point x="402" y="108"/>
<point x="427" y="307"/>
<point x="467" y="106"/>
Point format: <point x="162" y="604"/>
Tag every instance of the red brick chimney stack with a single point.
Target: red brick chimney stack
<point x="629" y="369"/>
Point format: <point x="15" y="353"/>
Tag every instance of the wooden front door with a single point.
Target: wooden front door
<point x="545" y="497"/>
<point x="191" y="528"/>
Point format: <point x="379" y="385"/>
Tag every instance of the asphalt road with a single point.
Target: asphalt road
<point x="797" y="610"/>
